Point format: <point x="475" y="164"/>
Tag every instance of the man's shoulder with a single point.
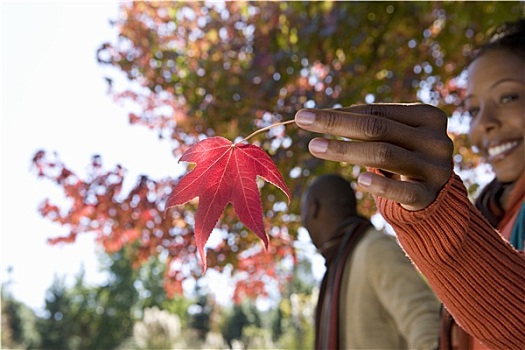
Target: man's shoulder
<point x="377" y="242"/>
<point x="378" y="237"/>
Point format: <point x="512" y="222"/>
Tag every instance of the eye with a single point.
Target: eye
<point x="508" y="98"/>
<point x="473" y="111"/>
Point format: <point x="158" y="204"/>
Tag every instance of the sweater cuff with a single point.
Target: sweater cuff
<point x="444" y="223"/>
<point x="393" y="211"/>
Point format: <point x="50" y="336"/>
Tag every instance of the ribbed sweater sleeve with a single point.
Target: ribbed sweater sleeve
<point x="477" y="275"/>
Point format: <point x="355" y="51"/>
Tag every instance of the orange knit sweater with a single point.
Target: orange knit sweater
<point x="476" y="273"/>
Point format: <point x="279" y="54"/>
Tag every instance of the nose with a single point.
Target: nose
<point x="486" y="120"/>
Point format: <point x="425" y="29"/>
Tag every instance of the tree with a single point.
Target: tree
<point x="56" y="326"/>
<point x="199" y="69"/>
<point x="234" y="324"/>
<point x="292" y="320"/>
<point x="200" y="313"/>
<point x="102" y="316"/>
<point x="18" y="322"/>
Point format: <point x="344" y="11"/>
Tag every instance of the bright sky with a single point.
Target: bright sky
<point x="53" y="96"/>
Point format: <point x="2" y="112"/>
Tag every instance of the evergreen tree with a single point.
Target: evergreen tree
<point x="92" y="317"/>
<point x="56" y="324"/>
<point x="200" y="313"/>
<point x="233" y="325"/>
<point x="18" y="322"/>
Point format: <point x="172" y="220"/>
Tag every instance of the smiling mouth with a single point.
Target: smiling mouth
<point x="496" y="152"/>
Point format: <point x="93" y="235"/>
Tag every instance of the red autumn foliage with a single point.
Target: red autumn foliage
<point x="201" y="69"/>
<point x="98" y="207"/>
<point x="225" y="173"/>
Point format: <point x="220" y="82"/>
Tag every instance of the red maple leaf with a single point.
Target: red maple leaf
<point x="225" y="173"/>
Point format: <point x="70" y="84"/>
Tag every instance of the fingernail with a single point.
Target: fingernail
<point x="364" y="180"/>
<point x="318" y="145"/>
<point x="305" y="117"/>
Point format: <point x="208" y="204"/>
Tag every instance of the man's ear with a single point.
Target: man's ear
<point x="314" y="209"/>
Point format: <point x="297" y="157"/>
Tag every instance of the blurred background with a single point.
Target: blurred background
<point x="99" y="100"/>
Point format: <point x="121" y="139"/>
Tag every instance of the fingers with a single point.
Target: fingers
<point x="413" y="114"/>
<point x="402" y="125"/>
<point x="408" y="140"/>
<point x="379" y="155"/>
<point x="411" y="195"/>
<point x="414" y="166"/>
<point x="375" y="121"/>
<point x="348" y="124"/>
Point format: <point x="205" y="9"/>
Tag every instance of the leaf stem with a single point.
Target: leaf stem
<point x="266" y="128"/>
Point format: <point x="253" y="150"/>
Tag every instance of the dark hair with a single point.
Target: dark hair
<point x="509" y="36"/>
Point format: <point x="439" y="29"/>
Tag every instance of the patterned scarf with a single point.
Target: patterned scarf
<point x="517" y="236"/>
<point x="489" y="204"/>
<point x="336" y="255"/>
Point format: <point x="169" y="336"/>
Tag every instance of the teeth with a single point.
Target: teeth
<point x="494" y="151"/>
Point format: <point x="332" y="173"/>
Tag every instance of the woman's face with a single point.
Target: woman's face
<point x="496" y="102"/>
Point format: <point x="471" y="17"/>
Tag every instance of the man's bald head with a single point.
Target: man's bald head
<point x="325" y="204"/>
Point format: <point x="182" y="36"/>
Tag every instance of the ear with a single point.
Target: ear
<point x="314" y="209"/>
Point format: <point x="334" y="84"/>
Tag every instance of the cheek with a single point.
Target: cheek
<point x="474" y="135"/>
<point x="518" y="122"/>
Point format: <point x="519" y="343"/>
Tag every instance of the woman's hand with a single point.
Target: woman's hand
<point x="408" y="143"/>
